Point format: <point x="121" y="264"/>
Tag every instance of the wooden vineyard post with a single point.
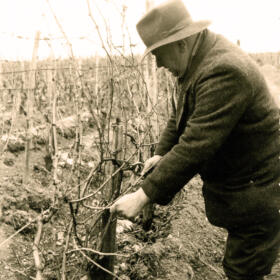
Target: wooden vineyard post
<point x="108" y="242"/>
<point x="153" y="122"/>
<point x="148" y="210"/>
<point x="53" y="145"/>
<point x="49" y="144"/>
<point x="30" y="104"/>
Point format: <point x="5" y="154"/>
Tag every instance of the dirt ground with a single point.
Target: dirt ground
<point x="182" y="244"/>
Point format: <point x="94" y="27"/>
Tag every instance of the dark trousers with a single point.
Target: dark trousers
<point x="252" y="250"/>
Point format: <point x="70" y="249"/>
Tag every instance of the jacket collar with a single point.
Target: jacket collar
<point x="205" y="42"/>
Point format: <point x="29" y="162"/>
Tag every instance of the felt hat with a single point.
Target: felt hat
<point x="167" y="23"/>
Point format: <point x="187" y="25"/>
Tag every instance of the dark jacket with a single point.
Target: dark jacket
<point x="226" y="128"/>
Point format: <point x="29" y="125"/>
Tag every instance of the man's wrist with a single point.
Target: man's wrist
<point x="143" y="198"/>
<point x="158" y="156"/>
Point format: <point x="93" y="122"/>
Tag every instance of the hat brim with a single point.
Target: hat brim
<point x="195" y="27"/>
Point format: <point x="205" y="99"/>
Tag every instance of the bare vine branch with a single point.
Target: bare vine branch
<point x="36" y="253"/>
<point x="92" y="261"/>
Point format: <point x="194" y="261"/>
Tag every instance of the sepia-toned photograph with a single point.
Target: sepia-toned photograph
<point x="140" y="140"/>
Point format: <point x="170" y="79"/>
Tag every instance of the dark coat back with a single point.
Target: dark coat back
<point x="226" y="128"/>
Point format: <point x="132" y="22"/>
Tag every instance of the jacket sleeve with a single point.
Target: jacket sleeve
<point x="221" y="99"/>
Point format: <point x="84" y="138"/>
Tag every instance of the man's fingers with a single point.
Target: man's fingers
<point x="130" y="205"/>
<point x="146" y="169"/>
<point x="120" y="214"/>
<point x="132" y="219"/>
<point x="150" y="163"/>
<point x="113" y="209"/>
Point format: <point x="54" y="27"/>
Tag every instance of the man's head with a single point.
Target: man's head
<point x="175" y="56"/>
<point x="166" y="26"/>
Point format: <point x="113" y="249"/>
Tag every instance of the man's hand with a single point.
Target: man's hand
<point x="130" y="205"/>
<point x="150" y="163"/>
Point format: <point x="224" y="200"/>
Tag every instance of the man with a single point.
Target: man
<point x="225" y="127"/>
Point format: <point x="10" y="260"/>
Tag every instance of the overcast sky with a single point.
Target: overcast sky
<point x="256" y="23"/>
